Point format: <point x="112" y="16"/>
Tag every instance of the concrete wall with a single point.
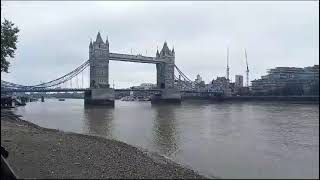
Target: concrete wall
<point x="100" y="97"/>
<point x="171" y="94"/>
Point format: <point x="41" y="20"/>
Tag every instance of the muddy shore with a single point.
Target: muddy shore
<point x="37" y="152"/>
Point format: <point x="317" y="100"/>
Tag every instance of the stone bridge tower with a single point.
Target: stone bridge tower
<point x="99" y="63"/>
<point x="165" y="77"/>
<point x="165" y="71"/>
<point x="100" y="92"/>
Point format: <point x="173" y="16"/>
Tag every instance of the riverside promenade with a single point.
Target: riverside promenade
<point x="36" y="152"/>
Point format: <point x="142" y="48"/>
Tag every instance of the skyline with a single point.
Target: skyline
<point x="272" y="37"/>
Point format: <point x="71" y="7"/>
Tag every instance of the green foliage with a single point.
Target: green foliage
<point x="9" y="37"/>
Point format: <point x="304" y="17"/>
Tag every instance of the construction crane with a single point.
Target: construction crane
<point x="228" y="64"/>
<point x="247" y="71"/>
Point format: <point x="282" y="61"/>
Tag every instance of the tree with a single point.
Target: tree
<point x="9" y="37"/>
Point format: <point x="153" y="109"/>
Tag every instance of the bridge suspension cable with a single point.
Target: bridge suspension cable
<point x="181" y="73"/>
<point x="66" y="77"/>
<point x="52" y="83"/>
<point x="63" y="80"/>
<point x="186" y="81"/>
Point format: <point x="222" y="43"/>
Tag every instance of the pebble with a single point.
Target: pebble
<point x="112" y="159"/>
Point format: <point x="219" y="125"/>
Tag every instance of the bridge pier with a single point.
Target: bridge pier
<point x="100" y="97"/>
<point x="167" y="96"/>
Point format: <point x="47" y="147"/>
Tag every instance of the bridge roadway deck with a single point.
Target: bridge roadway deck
<point x="70" y="90"/>
<point x="87" y="89"/>
<point x="133" y="58"/>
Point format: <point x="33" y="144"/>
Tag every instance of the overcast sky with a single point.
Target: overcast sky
<point x="54" y="37"/>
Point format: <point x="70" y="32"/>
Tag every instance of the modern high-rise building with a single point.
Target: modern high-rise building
<point x="288" y="81"/>
<point x="238" y="81"/>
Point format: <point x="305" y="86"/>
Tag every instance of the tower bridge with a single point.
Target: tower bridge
<point x="99" y="57"/>
<point x="99" y="91"/>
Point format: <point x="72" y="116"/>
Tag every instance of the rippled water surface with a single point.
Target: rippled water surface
<point x="226" y="140"/>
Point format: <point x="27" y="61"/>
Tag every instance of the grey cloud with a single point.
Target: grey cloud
<point x="54" y="36"/>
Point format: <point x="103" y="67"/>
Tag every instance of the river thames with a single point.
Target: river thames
<point x="225" y="140"/>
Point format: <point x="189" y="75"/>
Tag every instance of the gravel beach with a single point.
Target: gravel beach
<point x="36" y="152"/>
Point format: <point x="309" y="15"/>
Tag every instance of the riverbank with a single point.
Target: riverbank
<point x="36" y="152"/>
<point x="311" y="99"/>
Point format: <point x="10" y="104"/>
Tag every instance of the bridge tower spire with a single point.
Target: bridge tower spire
<point x="99" y="39"/>
<point x="90" y="48"/>
<point x="157" y="54"/>
<point x="90" y="45"/>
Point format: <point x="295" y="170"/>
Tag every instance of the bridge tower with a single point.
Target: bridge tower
<point x="100" y="92"/>
<point x="165" y="76"/>
<point x="99" y="63"/>
<point x="165" y="71"/>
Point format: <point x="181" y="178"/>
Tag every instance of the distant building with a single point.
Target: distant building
<point x="199" y="84"/>
<point x="138" y="93"/>
<point x="198" y="79"/>
<point x="238" y="88"/>
<point x="144" y="86"/>
<point x="184" y="85"/>
<point x="238" y="81"/>
<point x="147" y="85"/>
<point x="220" y="84"/>
<point x="232" y="87"/>
<point x="288" y="81"/>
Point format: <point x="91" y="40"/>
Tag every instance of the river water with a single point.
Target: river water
<point x="225" y="140"/>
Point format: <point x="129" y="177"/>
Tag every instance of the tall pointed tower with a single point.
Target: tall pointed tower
<point x="165" y="71"/>
<point x="99" y="63"/>
<point x="165" y="77"/>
